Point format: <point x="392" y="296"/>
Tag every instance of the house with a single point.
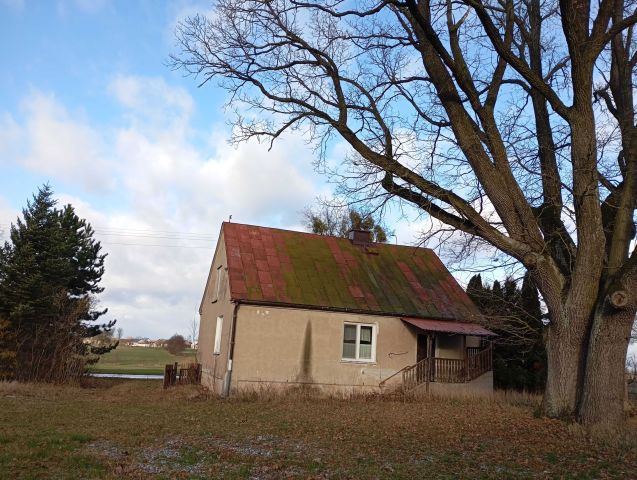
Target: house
<point x="283" y="308"/>
<point x="161" y="343"/>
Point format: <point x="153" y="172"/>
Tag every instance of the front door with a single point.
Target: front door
<point x="421" y="347"/>
<point x="426" y="349"/>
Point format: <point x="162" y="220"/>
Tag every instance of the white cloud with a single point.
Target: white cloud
<point x="165" y="184"/>
<point x="54" y="143"/>
<point x="153" y="104"/>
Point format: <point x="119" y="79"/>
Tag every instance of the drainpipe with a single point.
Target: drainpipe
<point x="233" y="329"/>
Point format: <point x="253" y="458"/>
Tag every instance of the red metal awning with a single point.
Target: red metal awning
<point x="449" y="326"/>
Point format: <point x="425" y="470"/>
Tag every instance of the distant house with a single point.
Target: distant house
<point x="283" y="308"/>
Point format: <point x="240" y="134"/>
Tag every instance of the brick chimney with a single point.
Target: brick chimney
<point x="360" y="237"/>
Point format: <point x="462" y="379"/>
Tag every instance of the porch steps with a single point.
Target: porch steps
<point x="443" y="370"/>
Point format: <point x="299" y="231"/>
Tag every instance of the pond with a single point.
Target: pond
<point x="127" y="375"/>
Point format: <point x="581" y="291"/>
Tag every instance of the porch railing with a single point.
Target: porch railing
<point x="480" y="362"/>
<point x="448" y="370"/>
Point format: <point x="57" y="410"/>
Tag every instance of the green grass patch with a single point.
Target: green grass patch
<point x="140" y="360"/>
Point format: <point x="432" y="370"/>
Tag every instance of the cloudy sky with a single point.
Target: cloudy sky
<point x="88" y="105"/>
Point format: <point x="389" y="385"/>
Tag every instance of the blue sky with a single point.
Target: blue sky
<point x="88" y="104"/>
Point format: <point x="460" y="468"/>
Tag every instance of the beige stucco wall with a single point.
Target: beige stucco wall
<point x="279" y="347"/>
<point x="214" y="367"/>
<point x="483" y="385"/>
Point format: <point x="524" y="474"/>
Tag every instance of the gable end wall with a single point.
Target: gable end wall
<point x="214" y="367"/>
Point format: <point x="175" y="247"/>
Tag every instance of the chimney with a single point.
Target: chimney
<point x="360" y="237"/>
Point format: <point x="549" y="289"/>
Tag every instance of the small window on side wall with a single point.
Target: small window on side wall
<point x="218" y="284"/>
<point x="359" y="342"/>
<point x="219" y="329"/>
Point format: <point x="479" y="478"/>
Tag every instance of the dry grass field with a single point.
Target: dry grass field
<point x="134" y="429"/>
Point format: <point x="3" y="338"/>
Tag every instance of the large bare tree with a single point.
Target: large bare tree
<point x="509" y="121"/>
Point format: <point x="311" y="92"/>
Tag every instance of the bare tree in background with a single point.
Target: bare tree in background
<point x="194" y="330"/>
<point x="508" y="122"/>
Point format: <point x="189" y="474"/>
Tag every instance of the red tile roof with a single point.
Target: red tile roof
<point x="449" y="327"/>
<point x="272" y="266"/>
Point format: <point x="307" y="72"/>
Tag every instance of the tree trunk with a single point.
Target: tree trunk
<point x="602" y="401"/>
<point x="563" y="354"/>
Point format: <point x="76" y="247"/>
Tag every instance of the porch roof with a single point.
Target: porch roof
<point x="446" y="326"/>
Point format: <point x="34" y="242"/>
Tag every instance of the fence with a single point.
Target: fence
<point x="448" y="370"/>
<point x="176" y="374"/>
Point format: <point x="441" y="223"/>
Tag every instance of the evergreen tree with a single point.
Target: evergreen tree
<point x="49" y="276"/>
<point x="519" y="358"/>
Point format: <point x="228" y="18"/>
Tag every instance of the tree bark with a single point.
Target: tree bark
<point x="602" y="403"/>
<point x="564" y="351"/>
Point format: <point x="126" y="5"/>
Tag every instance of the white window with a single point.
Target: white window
<point x="359" y="342"/>
<point x="219" y="284"/>
<point x="218" y="331"/>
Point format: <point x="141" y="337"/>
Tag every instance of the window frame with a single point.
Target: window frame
<point x="357" y="342"/>
<point x="218" y="282"/>
<point x="216" y="346"/>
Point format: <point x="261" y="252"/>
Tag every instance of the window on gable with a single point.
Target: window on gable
<point x="359" y="342"/>
<point x="218" y="285"/>
<point x="219" y="329"/>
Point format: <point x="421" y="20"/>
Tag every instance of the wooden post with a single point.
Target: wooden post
<point x="167" y="375"/>
<point x="466" y="359"/>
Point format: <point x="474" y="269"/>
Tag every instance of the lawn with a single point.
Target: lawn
<point x="140" y="360"/>
<point x="135" y="429"/>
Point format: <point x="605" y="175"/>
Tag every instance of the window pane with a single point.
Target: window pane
<point x="365" y="352"/>
<point x="349" y="334"/>
<point x="366" y="335"/>
<point x="218" y="331"/>
<point x="349" y="350"/>
<point x="349" y="341"/>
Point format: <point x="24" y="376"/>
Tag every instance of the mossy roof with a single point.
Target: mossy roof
<point x="273" y="266"/>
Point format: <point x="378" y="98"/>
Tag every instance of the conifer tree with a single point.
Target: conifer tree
<point x="513" y="313"/>
<point x="50" y="272"/>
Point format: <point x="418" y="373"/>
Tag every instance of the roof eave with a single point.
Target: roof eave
<point x="323" y="308"/>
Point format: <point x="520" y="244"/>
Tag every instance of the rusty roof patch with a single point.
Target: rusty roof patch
<point x="296" y="268"/>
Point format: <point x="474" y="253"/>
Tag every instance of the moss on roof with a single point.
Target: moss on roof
<point x="296" y="268"/>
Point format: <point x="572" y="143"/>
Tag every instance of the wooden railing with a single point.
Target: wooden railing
<point x="384" y="381"/>
<point x="474" y="350"/>
<point x="480" y="362"/>
<point x="450" y="370"/>
<point x="417" y="374"/>
<point x="447" y="370"/>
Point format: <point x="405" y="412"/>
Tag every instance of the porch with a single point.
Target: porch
<point x="446" y="352"/>
<point x="477" y="362"/>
